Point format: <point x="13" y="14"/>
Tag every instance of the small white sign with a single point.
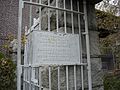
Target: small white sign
<point x="55" y="48"/>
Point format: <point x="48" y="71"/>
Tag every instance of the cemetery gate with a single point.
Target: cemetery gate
<point x="53" y="51"/>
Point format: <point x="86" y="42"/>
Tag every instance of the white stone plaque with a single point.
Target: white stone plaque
<point x="55" y="48"/>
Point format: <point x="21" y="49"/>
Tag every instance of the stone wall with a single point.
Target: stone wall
<point x="8" y="20"/>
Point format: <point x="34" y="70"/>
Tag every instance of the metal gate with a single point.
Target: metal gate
<point x="58" y="74"/>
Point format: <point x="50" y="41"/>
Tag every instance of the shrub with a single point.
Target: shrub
<point x="7" y="73"/>
<point x="112" y="83"/>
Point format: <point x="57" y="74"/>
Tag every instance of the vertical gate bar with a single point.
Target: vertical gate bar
<point x="19" y="46"/>
<point x="39" y="76"/>
<point x="81" y="60"/>
<point x="49" y="77"/>
<point x="30" y="25"/>
<point x="33" y="76"/>
<point x="27" y="76"/>
<point x="82" y="77"/>
<point x="30" y="70"/>
<point x="24" y="78"/>
<point x="72" y="17"/>
<point x="40" y="15"/>
<point x="65" y="26"/>
<point x="27" y="62"/>
<point x="75" y="77"/>
<point x="25" y="55"/>
<point x="67" y="78"/>
<point x="57" y="15"/>
<point x="58" y="77"/>
<point x="87" y="47"/>
<point x="49" y="16"/>
<point x="30" y="15"/>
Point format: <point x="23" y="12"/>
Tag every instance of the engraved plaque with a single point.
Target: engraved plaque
<point x="55" y="48"/>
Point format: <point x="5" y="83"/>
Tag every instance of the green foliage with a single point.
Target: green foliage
<point x="106" y="45"/>
<point x="112" y="83"/>
<point x="7" y="74"/>
<point x="1" y="55"/>
<point x="107" y="21"/>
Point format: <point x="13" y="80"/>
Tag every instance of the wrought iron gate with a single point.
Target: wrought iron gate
<point x="33" y="73"/>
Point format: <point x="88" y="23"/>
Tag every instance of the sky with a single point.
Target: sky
<point x="100" y="6"/>
<point x="114" y="2"/>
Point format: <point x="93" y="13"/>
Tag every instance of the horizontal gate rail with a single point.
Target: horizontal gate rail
<point x="52" y="7"/>
<point x="81" y="64"/>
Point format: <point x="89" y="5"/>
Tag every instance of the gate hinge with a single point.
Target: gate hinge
<point x="20" y="69"/>
<point x="22" y="4"/>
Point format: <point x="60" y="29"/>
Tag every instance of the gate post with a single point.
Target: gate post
<point x="19" y="46"/>
<point x="87" y="47"/>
